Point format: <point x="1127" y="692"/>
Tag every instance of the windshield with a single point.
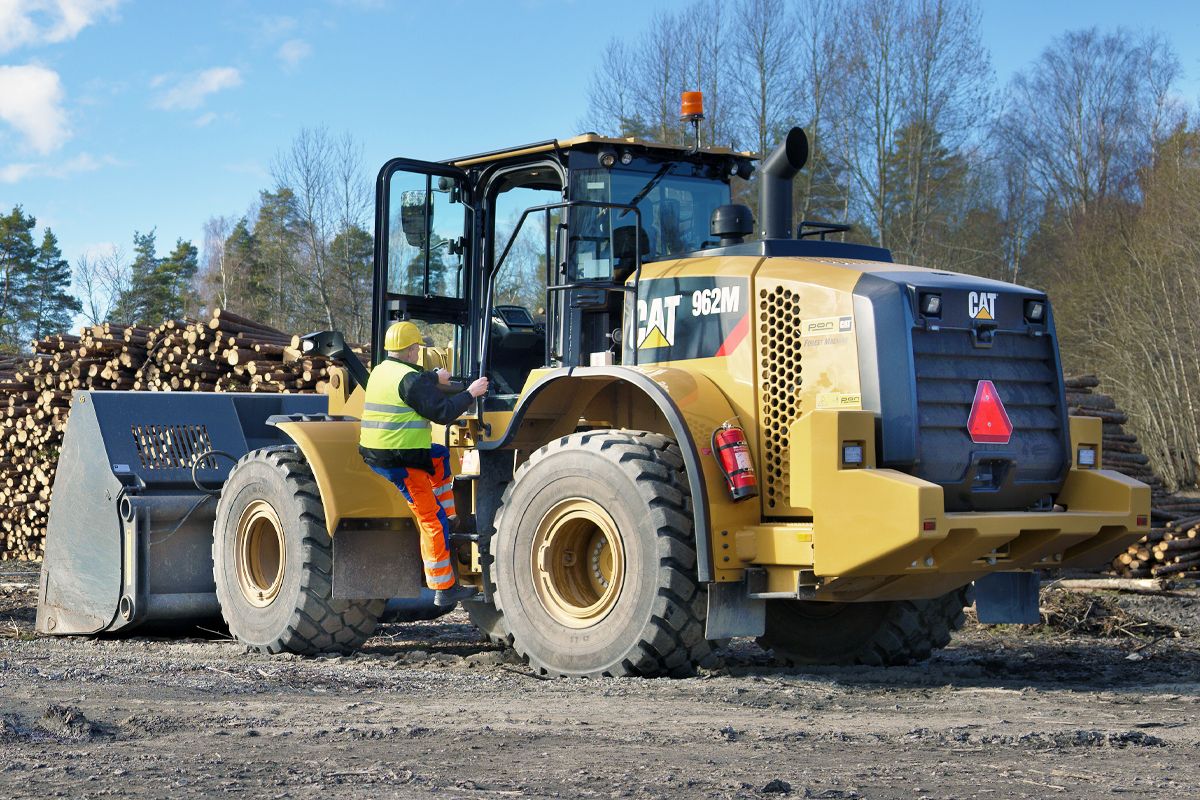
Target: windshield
<point x="676" y="201"/>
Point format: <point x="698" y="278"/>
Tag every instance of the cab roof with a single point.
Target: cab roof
<point x="583" y="141"/>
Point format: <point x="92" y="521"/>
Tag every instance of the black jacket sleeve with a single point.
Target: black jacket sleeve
<point x="420" y="390"/>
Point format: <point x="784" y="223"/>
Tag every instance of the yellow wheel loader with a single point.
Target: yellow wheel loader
<point x="693" y="433"/>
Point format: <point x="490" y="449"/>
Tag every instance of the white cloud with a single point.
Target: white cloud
<point x="292" y="52"/>
<point x="84" y="162"/>
<point x="205" y="120"/>
<point x="191" y="91"/>
<point x="35" y="22"/>
<point x="15" y="173"/>
<point x="31" y="102"/>
<point x="276" y="27"/>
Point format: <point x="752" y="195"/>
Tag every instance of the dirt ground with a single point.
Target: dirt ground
<point x="1103" y="701"/>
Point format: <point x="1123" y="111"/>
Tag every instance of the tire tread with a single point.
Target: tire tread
<point x="318" y="623"/>
<point x="672" y="641"/>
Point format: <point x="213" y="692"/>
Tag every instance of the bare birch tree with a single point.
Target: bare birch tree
<point x="215" y="268"/>
<point x="307" y="168"/>
<point x="766" y="69"/>
<point x="101" y="277"/>
<point x="1088" y="111"/>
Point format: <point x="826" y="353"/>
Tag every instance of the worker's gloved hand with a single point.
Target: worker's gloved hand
<point x="478" y="387"/>
<point x="443" y="376"/>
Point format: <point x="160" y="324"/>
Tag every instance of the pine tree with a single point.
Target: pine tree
<point x="925" y="182"/>
<point x="250" y="290"/>
<point x="170" y="293"/>
<point x="133" y="305"/>
<point x="352" y="252"/>
<point x="17" y="256"/>
<point x="50" y="308"/>
<point x="277" y="237"/>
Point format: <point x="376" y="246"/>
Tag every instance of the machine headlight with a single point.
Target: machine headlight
<point x="1035" y="311"/>
<point x="931" y="305"/>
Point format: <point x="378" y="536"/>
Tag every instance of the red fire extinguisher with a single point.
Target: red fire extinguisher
<point x="733" y="455"/>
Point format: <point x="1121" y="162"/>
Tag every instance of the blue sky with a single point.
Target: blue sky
<point x="123" y="115"/>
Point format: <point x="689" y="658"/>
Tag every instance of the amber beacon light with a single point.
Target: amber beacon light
<point x="691" y="109"/>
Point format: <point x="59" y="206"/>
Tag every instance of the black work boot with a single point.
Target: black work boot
<point x="444" y="598"/>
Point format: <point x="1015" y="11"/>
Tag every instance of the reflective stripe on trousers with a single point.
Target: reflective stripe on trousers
<point x="417" y="487"/>
<point x="443" y="480"/>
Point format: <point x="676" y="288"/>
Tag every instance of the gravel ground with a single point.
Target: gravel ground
<point x="1103" y="701"/>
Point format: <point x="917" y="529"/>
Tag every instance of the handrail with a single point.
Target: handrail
<point x="485" y="326"/>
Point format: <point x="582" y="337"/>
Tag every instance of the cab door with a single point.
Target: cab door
<point x="425" y="220"/>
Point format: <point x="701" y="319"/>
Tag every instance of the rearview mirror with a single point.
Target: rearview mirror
<point x="416" y="217"/>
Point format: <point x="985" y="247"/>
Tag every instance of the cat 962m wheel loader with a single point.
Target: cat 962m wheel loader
<point x="693" y="434"/>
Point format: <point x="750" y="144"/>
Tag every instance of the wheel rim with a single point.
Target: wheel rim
<point x="578" y="563"/>
<point x="260" y="549"/>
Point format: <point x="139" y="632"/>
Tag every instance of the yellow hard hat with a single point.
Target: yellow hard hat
<point x="401" y="335"/>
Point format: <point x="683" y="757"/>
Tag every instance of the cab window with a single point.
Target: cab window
<point x="426" y="222"/>
<point x="517" y="328"/>
<point x="521" y="280"/>
<point x="675" y="199"/>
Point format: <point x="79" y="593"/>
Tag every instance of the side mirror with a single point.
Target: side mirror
<point x="416" y="216"/>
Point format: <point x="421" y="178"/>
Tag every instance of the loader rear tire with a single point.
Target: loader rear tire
<point x="595" y="571"/>
<point x="273" y="561"/>
<point x="875" y="634"/>
<point x="488" y="619"/>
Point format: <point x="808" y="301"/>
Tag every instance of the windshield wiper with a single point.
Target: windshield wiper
<point x="650" y="184"/>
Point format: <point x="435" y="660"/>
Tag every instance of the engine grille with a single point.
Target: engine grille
<point x="779" y="349"/>
<point x="1023" y="368"/>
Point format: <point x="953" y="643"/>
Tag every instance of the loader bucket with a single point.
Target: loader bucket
<point x="130" y="533"/>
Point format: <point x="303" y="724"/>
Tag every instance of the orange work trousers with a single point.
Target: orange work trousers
<point x="431" y="498"/>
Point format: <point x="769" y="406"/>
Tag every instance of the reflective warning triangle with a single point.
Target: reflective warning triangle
<point x="654" y="338"/>
<point x="989" y="422"/>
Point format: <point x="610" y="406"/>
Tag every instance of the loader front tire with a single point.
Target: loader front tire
<point x="273" y="561"/>
<point x="879" y="634"/>
<point x="595" y="571"/>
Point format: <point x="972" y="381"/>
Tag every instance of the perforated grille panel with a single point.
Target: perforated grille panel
<point x="172" y="446"/>
<point x="779" y="376"/>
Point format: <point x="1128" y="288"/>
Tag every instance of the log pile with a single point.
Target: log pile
<point x="1172" y="549"/>
<point x="225" y="353"/>
<point x="1121" y="451"/>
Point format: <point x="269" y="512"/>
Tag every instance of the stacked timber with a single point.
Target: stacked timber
<point x="1172" y="549"/>
<point x="1121" y="450"/>
<point x="223" y="353"/>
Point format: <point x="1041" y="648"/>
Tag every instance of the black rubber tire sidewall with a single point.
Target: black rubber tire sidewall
<point x="266" y="626"/>
<point x="603" y="646"/>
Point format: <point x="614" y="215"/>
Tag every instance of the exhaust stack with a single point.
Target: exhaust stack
<point x="775" y="185"/>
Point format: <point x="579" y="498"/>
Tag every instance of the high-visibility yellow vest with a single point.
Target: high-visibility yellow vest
<point x="387" y="422"/>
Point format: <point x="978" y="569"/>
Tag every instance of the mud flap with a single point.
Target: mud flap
<point x="1008" y="598"/>
<point x="375" y="559"/>
<point x="732" y="612"/>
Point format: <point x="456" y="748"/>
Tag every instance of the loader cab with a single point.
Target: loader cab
<point x="530" y="257"/>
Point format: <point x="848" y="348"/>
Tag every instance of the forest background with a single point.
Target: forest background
<point x="1080" y="176"/>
